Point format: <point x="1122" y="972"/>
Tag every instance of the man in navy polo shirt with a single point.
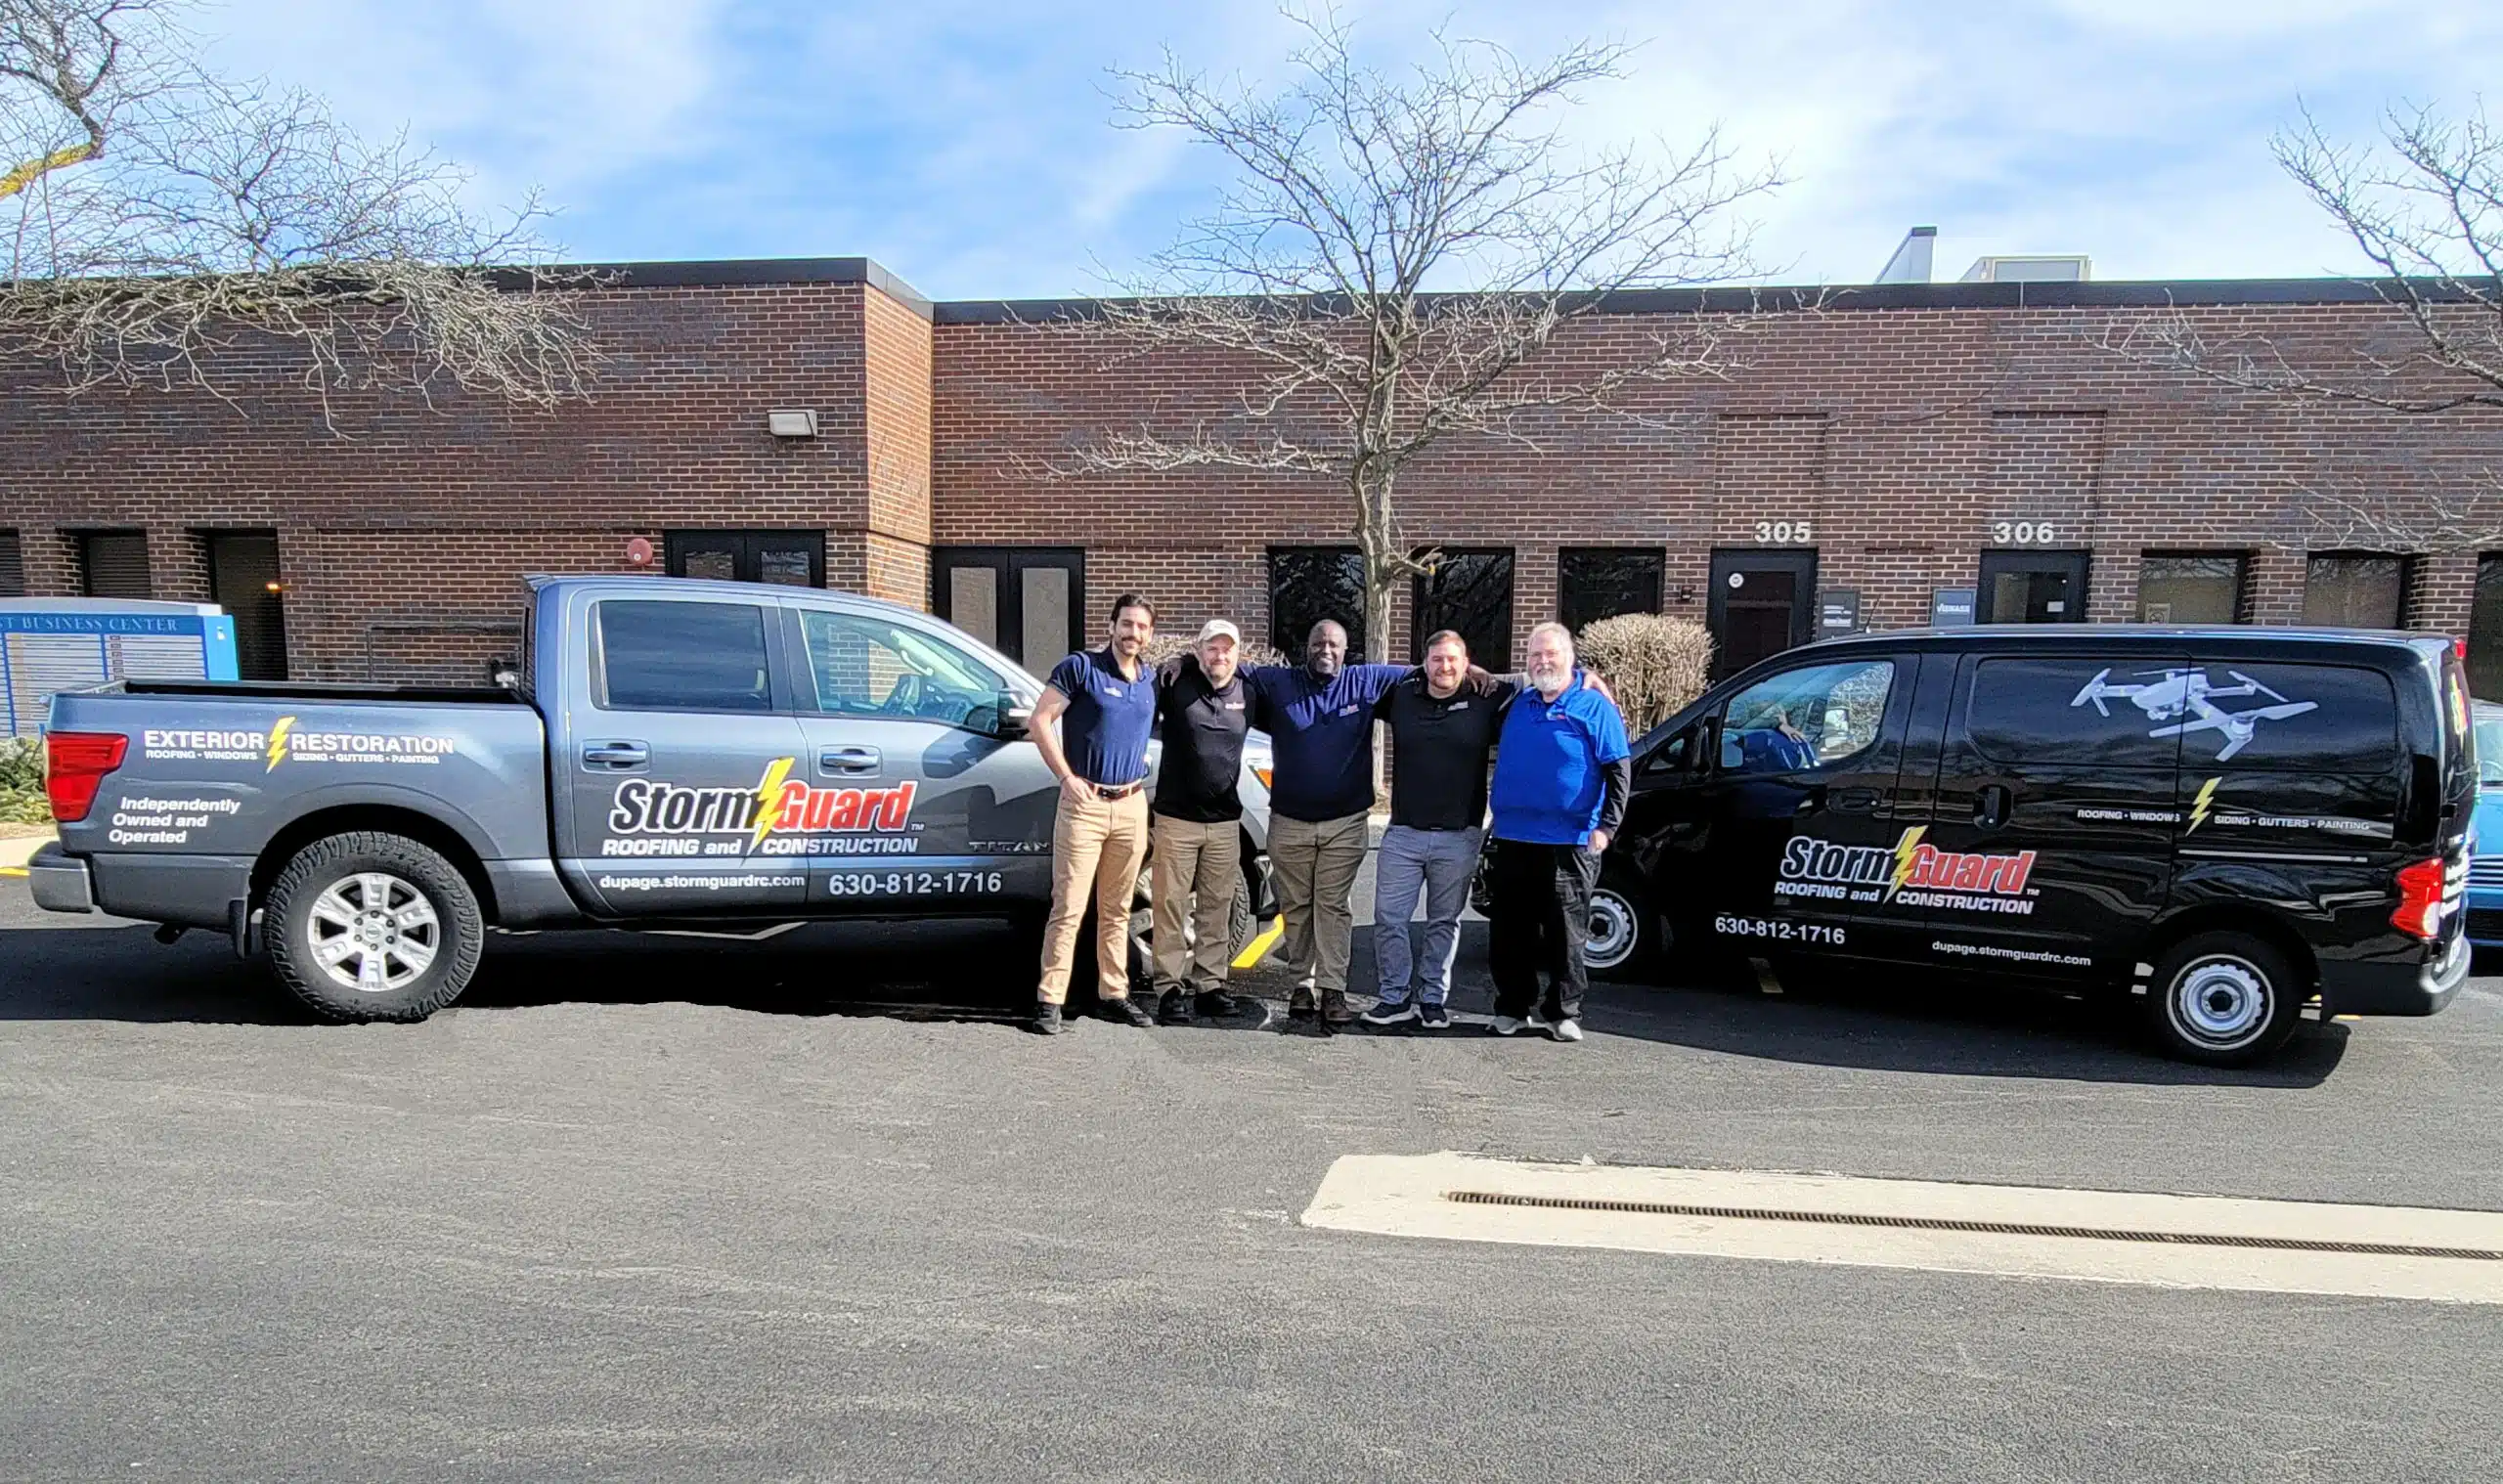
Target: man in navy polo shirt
<point x="1563" y="775"/>
<point x="1104" y="703"/>
<point x="1319" y="718"/>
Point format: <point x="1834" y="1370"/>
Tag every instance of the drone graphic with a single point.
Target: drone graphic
<point x="2177" y="693"/>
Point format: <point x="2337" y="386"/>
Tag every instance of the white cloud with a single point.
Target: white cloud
<point x="969" y="147"/>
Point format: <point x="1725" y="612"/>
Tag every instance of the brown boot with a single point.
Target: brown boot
<point x="1334" y="1007"/>
<point x="1299" y="1005"/>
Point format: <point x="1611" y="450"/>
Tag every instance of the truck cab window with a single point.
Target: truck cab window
<point x="1804" y="719"/>
<point x="664" y="656"/>
<point x="865" y="666"/>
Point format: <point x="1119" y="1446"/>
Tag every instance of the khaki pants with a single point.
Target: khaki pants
<point x="1190" y="857"/>
<point x="1315" y="867"/>
<point x="1095" y="848"/>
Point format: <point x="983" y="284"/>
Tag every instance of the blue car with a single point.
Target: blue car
<point x="2486" y="868"/>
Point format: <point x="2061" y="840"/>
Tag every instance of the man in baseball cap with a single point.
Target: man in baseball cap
<point x="1194" y="850"/>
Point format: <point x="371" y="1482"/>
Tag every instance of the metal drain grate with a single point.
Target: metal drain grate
<point x="1951" y="1224"/>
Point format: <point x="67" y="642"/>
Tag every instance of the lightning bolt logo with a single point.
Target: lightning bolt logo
<point x="2199" y="806"/>
<point x="767" y="787"/>
<point x="1904" y="849"/>
<point x="278" y="742"/>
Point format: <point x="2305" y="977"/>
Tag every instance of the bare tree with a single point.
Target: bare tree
<point x="1393" y="258"/>
<point x="2424" y="207"/>
<point x="155" y="219"/>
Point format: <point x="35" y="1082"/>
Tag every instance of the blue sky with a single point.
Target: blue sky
<point x="968" y="147"/>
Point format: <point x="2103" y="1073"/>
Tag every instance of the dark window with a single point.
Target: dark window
<point x="1470" y="592"/>
<point x="1802" y="720"/>
<point x="2085" y="712"/>
<point x="13" y="566"/>
<point x="2313" y="718"/>
<point x="244" y="580"/>
<point x="114" y="563"/>
<point x="1593" y="583"/>
<point x="2355" y="591"/>
<point x="785" y="559"/>
<point x="2190" y="588"/>
<point x="1027" y="602"/>
<point x="662" y="656"/>
<point x="2484" y="631"/>
<point x="1309" y="584"/>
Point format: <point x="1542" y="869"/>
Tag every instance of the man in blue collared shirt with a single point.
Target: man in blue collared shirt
<point x="1563" y="775"/>
<point x="1093" y="726"/>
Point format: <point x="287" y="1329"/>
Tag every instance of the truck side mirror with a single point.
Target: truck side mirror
<point x="1014" y="713"/>
<point x="1715" y="747"/>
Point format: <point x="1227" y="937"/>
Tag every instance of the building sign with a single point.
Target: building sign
<point x="1838" y="612"/>
<point x="1951" y="607"/>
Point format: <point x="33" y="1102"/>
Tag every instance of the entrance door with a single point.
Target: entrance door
<point x="2032" y="588"/>
<point x="786" y="559"/>
<point x="244" y="580"/>
<point x="1762" y="602"/>
<point x="1027" y="602"/>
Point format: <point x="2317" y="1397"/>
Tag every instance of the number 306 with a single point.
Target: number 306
<point x="2023" y="533"/>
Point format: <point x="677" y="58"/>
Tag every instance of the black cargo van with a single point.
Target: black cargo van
<point x="2223" y="822"/>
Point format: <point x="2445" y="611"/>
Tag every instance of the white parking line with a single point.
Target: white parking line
<point x="2200" y="1242"/>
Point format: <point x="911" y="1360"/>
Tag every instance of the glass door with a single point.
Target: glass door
<point x="1762" y="603"/>
<point x="1027" y="602"/>
<point x="784" y="558"/>
<point x="2032" y="588"/>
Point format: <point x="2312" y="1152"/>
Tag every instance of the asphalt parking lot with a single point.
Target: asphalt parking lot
<point x="816" y="1208"/>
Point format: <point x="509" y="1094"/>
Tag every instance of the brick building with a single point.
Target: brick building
<point x="1906" y="451"/>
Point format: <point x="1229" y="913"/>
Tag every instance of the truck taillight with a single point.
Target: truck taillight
<point x="75" y="765"/>
<point x="2420" y="901"/>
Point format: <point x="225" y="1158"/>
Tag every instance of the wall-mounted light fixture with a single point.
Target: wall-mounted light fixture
<point x="792" y="423"/>
<point x="274" y="586"/>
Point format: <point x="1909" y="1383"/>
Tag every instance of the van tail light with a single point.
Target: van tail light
<point x="2420" y="901"/>
<point x="75" y="766"/>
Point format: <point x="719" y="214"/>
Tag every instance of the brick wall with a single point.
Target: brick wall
<point x="1894" y="441"/>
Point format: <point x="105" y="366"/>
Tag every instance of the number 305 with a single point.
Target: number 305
<point x="1782" y="532"/>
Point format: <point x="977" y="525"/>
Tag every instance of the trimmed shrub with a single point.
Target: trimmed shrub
<point x="1250" y="652"/>
<point x="21" y="796"/>
<point x="1656" y="663"/>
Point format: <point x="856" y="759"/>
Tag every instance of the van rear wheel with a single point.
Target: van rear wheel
<point x="369" y="925"/>
<point x="2224" y="999"/>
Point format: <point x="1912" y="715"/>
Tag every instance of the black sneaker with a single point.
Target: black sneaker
<point x="1170" y="1009"/>
<point x="1433" y="1018"/>
<point x="1121" y="1012"/>
<point x="1391" y="1013"/>
<point x="1217" y="1004"/>
<point x="1046" y="1020"/>
<point x="1299" y="1005"/>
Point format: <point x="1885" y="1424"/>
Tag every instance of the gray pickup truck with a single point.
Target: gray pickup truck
<point x="668" y="754"/>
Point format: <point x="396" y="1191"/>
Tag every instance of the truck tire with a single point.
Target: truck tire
<point x="367" y="926"/>
<point x="2224" y="999"/>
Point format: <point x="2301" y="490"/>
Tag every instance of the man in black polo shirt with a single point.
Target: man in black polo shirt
<point x="1196" y="841"/>
<point x="1099" y="753"/>
<point x="1444" y="720"/>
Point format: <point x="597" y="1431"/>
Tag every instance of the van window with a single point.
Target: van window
<point x="2083" y="711"/>
<point x="1805" y="718"/>
<point x="2326" y="718"/>
<point x="661" y="656"/>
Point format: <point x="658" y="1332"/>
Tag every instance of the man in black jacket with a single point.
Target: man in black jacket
<point x="1196" y="851"/>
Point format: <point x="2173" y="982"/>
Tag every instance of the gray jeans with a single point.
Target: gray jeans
<point x="1438" y="863"/>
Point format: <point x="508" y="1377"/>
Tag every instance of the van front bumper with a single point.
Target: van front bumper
<point x="2347" y="989"/>
<point x="60" y="882"/>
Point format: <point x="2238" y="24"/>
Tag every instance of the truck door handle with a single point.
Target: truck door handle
<point x="619" y="754"/>
<point x="847" y="759"/>
<point x="1854" y="801"/>
<point x="1991" y="806"/>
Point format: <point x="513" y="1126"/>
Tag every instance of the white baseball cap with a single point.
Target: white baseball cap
<point x="1219" y="628"/>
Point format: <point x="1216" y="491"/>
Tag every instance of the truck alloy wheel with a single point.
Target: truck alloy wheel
<point x="2224" y="999"/>
<point x="372" y="927"/>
